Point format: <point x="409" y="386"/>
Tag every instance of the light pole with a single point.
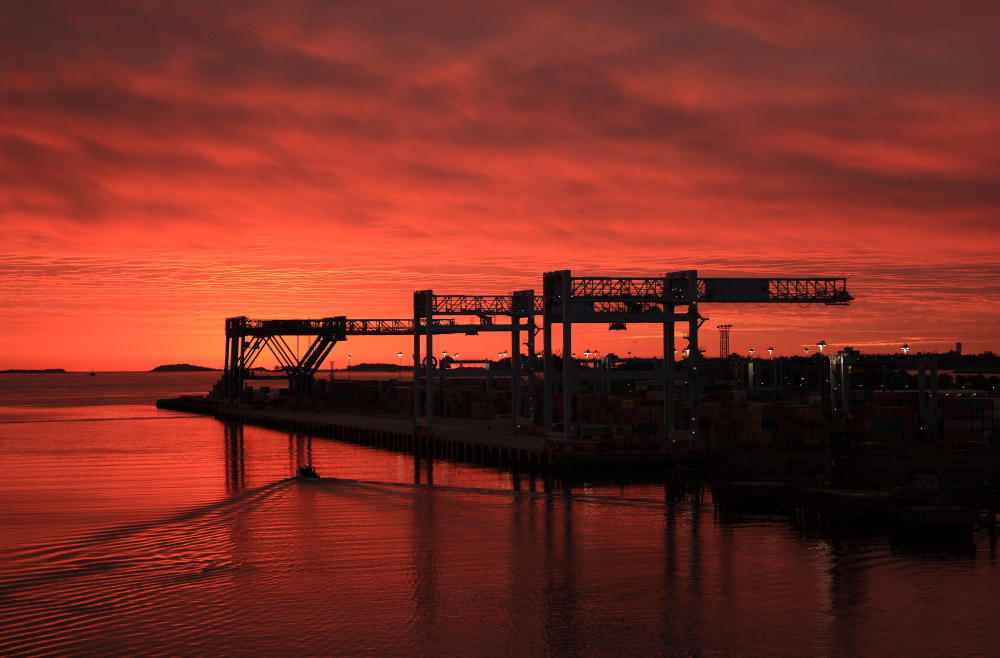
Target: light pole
<point x="752" y="352"/>
<point x="770" y="352"/>
<point x="905" y="348"/>
<point x="348" y="367"/>
<point x="806" y="350"/>
<point x="821" y="345"/>
<point x="399" y="367"/>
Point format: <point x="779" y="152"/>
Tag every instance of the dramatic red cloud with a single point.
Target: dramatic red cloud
<point x="166" y="164"/>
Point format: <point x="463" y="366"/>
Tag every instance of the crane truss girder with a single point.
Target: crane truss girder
<point x="605" y="289"/>
<point x="521" y="303"/>
<point x="243" y="326"/>
<point x="820" y="290"/>
<point x="337" y="328"/>
<point x="677" y="288"/>
<point x="391" y="327"/>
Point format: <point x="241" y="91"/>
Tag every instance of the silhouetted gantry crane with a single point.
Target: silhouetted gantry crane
<point x="569" y="300"/>
<point x="520" y="307"/>
<point x="566" y="300"/>
<point x="246" y="340"/>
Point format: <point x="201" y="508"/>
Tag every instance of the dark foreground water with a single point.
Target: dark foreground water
<point x="128" y="530"/>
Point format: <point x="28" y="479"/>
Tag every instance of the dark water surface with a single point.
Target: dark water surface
<point x="129" y="530"/>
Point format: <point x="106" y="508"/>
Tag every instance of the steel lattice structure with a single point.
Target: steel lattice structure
<point x="246" y="340"/>
<point x="521" y="307"/>
<point x="674" y="289"/>
<point x="568" y="299"/>
<point x="565" y="300"/>
<point x="264" y="328"/>
<point x="476" y="304"/>
<point x="394" y="327"/>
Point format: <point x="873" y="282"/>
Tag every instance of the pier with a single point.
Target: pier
<point x="548" y="417"/>
<point x="466" y="440"/>
<point x="816" y="424"/>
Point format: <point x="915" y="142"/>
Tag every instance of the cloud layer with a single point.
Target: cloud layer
<point x="164" y="164"/>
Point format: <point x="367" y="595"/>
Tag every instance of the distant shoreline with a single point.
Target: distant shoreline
<point x="182" y="367"/>
<point x="31" y="371"/>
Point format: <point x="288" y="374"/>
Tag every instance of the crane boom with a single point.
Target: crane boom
<point x="675" y="289"/>
<point x="521" y="303"/>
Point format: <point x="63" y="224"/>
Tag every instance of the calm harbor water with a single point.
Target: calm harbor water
<point x="129" y="530"/>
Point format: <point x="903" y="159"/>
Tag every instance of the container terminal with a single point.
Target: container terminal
<point x="903" y="437"/>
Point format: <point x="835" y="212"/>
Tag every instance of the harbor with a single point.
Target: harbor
<point x="864" y="439"/>
<point x="484" y="442"/>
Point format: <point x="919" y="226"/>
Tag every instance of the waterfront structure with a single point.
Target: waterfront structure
<point x="566" y="300"/>
<point x="246" y="340"/>
<point x="520" y="307"/>
<point x="570" y="300"/>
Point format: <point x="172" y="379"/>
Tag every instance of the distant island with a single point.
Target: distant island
<point x="182" y="367"/>
<point x="32" y="372"/>
<point x="378" y="367"/>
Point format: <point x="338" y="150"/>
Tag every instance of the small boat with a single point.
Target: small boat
<point x="306" y="471"/>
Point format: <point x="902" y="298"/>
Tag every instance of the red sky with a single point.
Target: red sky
<point x="164" y="165"/>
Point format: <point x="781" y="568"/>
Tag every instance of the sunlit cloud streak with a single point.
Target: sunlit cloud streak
<point x="163" y="165"/>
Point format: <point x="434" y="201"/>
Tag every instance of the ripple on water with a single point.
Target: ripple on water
<point x="153" y="536"/>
